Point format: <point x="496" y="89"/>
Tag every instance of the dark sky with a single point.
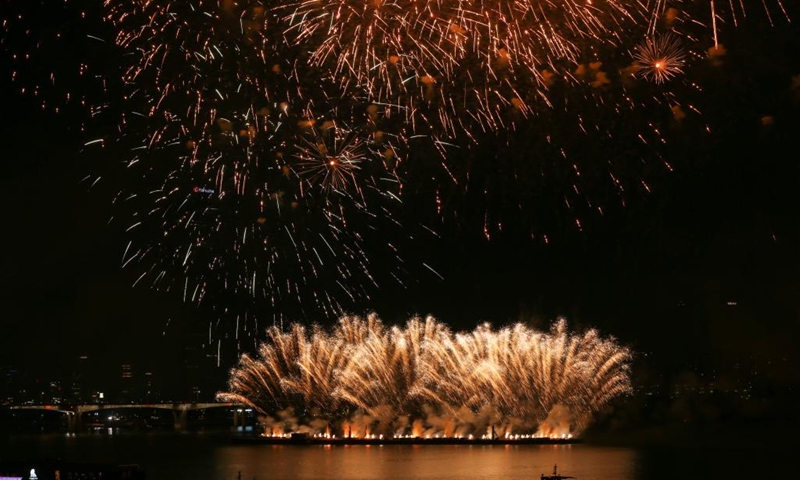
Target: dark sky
<point x="702" y="271"/>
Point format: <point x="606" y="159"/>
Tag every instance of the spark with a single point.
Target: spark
<point x="364" y="377"/>
<point x="289" y="116"/>
<point x="660" y="58"/>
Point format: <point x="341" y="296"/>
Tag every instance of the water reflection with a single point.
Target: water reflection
<point x="426" y="462"/>
<point x="198" y="456"/>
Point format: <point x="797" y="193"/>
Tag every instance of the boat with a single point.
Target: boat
<point x="555" y="475"/>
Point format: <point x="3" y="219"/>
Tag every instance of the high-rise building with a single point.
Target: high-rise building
<point x="9" y="384"/>
<point x="127" y="390"/>
<point x="150" y="394"/>
<point x="77" y="385"/>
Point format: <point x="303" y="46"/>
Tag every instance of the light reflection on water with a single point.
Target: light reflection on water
<point x="428" y="462"/>
<point x="204" y="456"/>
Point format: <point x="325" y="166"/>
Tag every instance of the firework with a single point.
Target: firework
<point x="32" y="40"/>
<point x="248" y="188"/>
<point x="660" y="58"/>
<point x="330" y="156"/>
<point x="510" y="96"/>
<point x="242" y="187"/>
<point x="458" y="65"/>
<point x="269" y="145"/>
<point x="425" y="380"/>
<point x="736" y="11"/>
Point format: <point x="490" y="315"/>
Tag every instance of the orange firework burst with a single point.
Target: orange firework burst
<point x="659" y="58"/>
<point x="328" y="157"/>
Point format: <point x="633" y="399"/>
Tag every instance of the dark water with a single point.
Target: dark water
<point x="215" y="457"/>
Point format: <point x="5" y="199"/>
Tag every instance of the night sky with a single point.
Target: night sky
<point x="699" y="274"/>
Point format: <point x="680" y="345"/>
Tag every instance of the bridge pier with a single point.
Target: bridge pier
<point x="179" y="417"/>
<point x="74" y="421"/>
<point x="238" y="419"/>
<point x="242" y="418"/>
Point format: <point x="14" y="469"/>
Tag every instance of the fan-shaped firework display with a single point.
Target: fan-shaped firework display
<point x="363" y="378"/>
<point x="270" y="146"/>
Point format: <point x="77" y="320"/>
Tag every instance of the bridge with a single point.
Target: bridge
<point x="179" y="411"/>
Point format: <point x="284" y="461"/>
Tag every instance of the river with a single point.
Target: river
<point x="212" y="456"/>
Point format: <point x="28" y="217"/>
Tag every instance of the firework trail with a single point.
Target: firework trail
<point x="269" y="145"/>
<point x="459" y="65"/>
<point x="487" y="65"/>
<point x="384" y="366"/>
<point x="484" y="81"/>
<point x="423" y="379"/>
<point x="250" y="183"/>
<point x="299" y="370"/>
<point x="660" y="58"/>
